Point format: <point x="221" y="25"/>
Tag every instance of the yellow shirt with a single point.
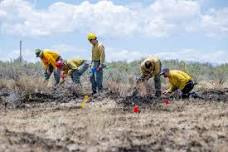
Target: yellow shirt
<point x="72" y="65"/>
<point x="98" y="53"/>
<point x="178" y="80"/>
<point x="154" y="70"/>
<point x="49" y="58"/>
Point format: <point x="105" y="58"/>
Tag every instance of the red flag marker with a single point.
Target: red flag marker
<point x="166" y="101"/>
<point x="136" y="109"/>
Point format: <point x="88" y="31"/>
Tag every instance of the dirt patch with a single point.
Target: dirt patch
<point x="55" y="121"/>
<point x="32" y="141"/>
<point x="215" y="95"/>
<point x="105" y="126"/>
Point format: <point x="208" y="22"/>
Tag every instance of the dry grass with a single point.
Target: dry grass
<point x="212" y="84"/>
<point x="124" y="89"/>
<point x="104" y="126"/>
<point x="25" y="83"/>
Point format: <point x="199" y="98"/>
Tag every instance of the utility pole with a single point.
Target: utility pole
<point x="20" y="58"/>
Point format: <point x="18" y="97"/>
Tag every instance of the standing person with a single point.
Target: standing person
<point x="98" y="59"/>
<point x="178" y="80"/>
<point x="73" y="68"/>
<point x="151" y="67"/>
<point x="49" y="59"/>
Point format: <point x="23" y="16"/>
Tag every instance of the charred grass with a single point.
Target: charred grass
<point x="34" y="116"/>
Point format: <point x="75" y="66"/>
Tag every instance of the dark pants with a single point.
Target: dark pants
<point x="76" y="74"/>
<point x="96" y="77"/>
<point x="188" y="87"/>
<point x="50" y="70"/>
<point x="157" y="83"/>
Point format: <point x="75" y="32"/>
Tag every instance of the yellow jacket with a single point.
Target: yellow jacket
<point x="72" y="65"/>
<point x="154" y="70"/>
<point x="177" y="80"/>
<point x="98" y="53"/>
<point x="49" y="58"/>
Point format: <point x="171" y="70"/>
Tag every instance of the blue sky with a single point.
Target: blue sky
<point x="191" y="30"/>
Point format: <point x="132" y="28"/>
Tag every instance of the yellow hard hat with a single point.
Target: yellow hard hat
<point x="91" y="36"/>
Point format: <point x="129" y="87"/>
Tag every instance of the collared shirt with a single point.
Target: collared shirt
<point x="178" y="80"/>
<point x="98" y="53"/>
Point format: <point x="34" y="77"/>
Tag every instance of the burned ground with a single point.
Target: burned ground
<point x="55" y="121"/>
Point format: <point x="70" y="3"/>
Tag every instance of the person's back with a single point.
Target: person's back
<point x="74" y="68"/>
<point x="178" y="78"/>
<point x="75" y="63"/>
<point x="49" y="57"/>
<point x="155" y="67"/>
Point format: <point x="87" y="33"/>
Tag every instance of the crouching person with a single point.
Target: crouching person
<point x="73" y="68"/>
<point x="49" y="59"/>
<point x="151" y="67"/>
<point x="178" y="80"/>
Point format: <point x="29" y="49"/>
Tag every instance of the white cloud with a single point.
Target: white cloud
<point x="216" y="22"/>
<point x="28" y="55"/>
<point x="168" y="16"/>
<point x="112" y="54"/>
<point x="2" y="13"/>
<point x="219" y="56"/>
<point x="24" y="20"/>
<point x="160" y="18"/>
<point x="68" y="51"/>
<point x="115" y="54"/>
<point x="102" y="17"/>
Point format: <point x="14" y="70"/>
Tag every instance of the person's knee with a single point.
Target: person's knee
<point x="188" y="89"/>
<point x="86" y="66"/>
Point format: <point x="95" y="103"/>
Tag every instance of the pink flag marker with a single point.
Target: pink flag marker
<point x="136" y="109"/>
<point x="166" y="101"/>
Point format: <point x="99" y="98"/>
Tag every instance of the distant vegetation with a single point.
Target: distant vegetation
<point x="119" y="76"/>
<point x="199" y="71"/>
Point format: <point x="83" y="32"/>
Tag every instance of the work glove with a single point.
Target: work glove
<point x="166" y="92"/>
<point x="62" y="81"/>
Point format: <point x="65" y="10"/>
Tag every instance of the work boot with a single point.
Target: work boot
<point x="100" y="90"/>
<point x="94" y="92"/>
<point x="185" y="96"/>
